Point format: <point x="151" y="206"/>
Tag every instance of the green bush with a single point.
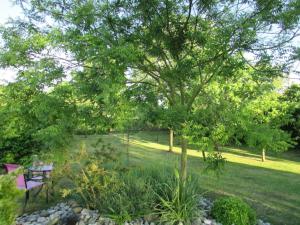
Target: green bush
<point x="133" y="199"/>
<point x="130" y="193"/>
<point x="136" y="195"/>
<point x="9" y="198"/>
<point x="176" y="203"/>
<point x="232" y="210"/>
<point x="155" y="192"/>
<point x="89" y="182"/>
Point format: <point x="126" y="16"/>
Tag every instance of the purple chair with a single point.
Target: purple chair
<point x="24" y="183"/>
<point x="10" y="167"/>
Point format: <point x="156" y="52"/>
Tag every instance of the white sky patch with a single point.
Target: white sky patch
<point x="7" y="75"/>
<point x="8" y="10"/>
<point x="294" y="76"/>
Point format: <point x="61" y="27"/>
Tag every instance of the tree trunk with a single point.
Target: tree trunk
<point x="263" y="155"/>
<point x="171" y="140"/>
<point x="183" y="165"/>
<point x="203" y="155"/>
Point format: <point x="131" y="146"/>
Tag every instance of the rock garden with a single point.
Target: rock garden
<point x="71" y="213"/>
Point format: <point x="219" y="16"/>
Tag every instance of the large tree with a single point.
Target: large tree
<point x="292" y="97"/>
<point x="177" y="46"/>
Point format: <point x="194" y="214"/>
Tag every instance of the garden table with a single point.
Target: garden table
<point x="45" y="170"/>
<point x="42" y="168"/>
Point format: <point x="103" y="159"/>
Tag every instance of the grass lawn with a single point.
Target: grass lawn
<point x="272" y="187"/>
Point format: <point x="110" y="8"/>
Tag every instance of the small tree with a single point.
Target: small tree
<point x="262" y="120"/>
<point x="249" y="111"/>
<point x="263" y="137"/>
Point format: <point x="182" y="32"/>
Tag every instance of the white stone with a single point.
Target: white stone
<point x="41" y="219"/>
<point x="207" y="221"/>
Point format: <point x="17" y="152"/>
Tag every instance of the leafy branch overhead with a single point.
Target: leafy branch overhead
<point x="178" y="49"/>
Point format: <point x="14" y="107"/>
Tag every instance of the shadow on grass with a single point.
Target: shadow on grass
<point x="274" y="156"/>
<point x="151" y="137"/>
<point x="273" y="193"/>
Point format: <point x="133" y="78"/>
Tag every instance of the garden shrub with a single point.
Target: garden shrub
<point x="176" y="203"/>
<point x="90" y="181"/>
<point x="130" y="193"/>
<point x="9" y="198"/>
<point x="152" y="191"/>
<point x="95" y="184"/>
<point x="232" y="210"/>
<point x="133" y="199"/>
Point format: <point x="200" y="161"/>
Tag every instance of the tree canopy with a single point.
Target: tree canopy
<point x="177" y="47"/>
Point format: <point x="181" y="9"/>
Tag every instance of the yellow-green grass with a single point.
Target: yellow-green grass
<point x="271" y="187"/>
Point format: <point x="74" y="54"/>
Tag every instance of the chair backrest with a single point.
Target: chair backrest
<point x="20" y="179"/>
<point x="11" y="167"/>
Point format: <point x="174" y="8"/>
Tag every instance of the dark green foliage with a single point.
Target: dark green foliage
<point x="232" y="210"/>
<point x="262" y="136"/>
<point x="90" y="120"/>
<point x="260" y="120"/>
<point x="32" y="119"/>
<point x="292" y="97"/>
<point x="144" y="99"/>
<point x="99" y="102"/>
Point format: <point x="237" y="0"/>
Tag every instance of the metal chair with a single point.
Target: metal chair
<point x="25" y="183"/>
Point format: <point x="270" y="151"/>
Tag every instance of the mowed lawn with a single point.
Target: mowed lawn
<point x="271" y="187"/>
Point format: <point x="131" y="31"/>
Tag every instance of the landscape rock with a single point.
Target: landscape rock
<point x="207" y="221"/>
<point x="57" y="215"/>
<point x="44" y="213"/>
<point x="72" y="214"/>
